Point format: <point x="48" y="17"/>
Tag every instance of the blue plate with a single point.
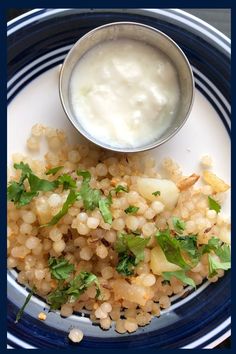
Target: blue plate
<point x="38" y="41"/>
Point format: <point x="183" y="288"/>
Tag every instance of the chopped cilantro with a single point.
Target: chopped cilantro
<point x="89" y="196"/>
<point x="27" y="300"/>
<point x="214" y="265"/>
<point x="126" y="264"/>
<point x="179" y="225"/>
<point x="67" y="181"/>
<point x="104" y="205"/>
<point x="213" y="204"/>
<point x="92" y="197"/>
<point x="130" y="249"/>
<point x="71" y="291"/>
<point x="80" y="284"/>
<point x="181" y="275"/>
<point x="16" y="191"/>
<point x="71" y="198"/>
<point x="131" y="209"/>
<point x="60" y="268"/>
<point x="120" y="188"/>
<point x="54" y="170"/>
<point x="171" y="248"/>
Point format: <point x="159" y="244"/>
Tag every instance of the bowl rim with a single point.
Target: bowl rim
<point x="146" y="147"/>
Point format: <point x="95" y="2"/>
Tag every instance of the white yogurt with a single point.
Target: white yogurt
<point x="124" y="92"/>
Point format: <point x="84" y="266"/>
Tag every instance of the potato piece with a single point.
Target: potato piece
<point x="169" y="193"/>
<point x="159" y="263"/>
<point x="134" y="293"/>
<point x="215" y="182"/>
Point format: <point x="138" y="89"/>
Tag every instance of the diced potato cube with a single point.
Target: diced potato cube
<point x="169" y="193"/>
<point x="159" y="263"/>
<point x="217" y="184"/>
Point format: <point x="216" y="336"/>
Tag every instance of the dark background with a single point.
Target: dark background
<point x="219" y="18"/>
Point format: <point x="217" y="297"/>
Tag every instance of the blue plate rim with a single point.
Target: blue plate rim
<point x="225" y="41"/>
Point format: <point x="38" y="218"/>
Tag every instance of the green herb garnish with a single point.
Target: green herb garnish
<point x="16" y="191"/>
<point x="80" y="284"/>
<point x="131" y="209"/>
<point x="156" y="193"/>
<point x="104" y="207"/>
<point x="188" y="245"/>
<point x="172" y="249"/>
<point x="70" y="200"/>
<point x="66" y="181"/>
<point x="126" y="264"/>
<point x="60" y="268"/>
<point x="214" y="265"/>
<point x="222" y="251"/>
<point x="131" y="251"/>
<point x="181" y="275"/>
<point x="92" y="198"/>
<point x="89" y="196"/>
<point x="71" y="291"/>
<point x="179" y="225"/>
<point x="27" y="300"/>
<point x="213" y="244"/>
<point x="213" y="204"/>
<point x="57" y="298"/>
<point x="120" y="188"/>
<point x="54" y="170"/>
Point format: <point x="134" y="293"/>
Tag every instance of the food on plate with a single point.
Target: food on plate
<point x="76" y="335"/>
<point x="91" y="230"/>
<point x="124" y="92"/>
<point x="42" y="316"/>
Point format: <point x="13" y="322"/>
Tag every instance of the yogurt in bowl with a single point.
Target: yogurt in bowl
<point x="124" y="92"/>
<point x="126" y="87"/>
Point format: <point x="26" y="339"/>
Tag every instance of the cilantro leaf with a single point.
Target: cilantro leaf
<point x="16" y="191"/>
<point x="38" y="184"/>
<point x="71" y="291"/>
<point x="80" y="284"/>
<point x="136" y="245"/>
<point x="156" y="193"/>
<point x="126" y="264"/>
<point x="130" y="249"/>
<point x="213" y="204"/>
<point x="25" y="169"/>
<point x="181" y="275"/>
<point x="131" y="209"/>
<point x="85" y="174"/>
<point x="92" y="197"/>
<point x="67" y="181"/>
<point x="221" y="250"/>
<point x="89" y="196"/>
<point x="57" y="298"/>
<point x="104" y="205"/>
<point x="171" y="248"/>
<point x="223" y="253"/>
<point x="17" y="194"/>
<point x="27" y="300"/>
<point x="60" y="268"/>
<point x="120" y="188"/>
<point x="214" y="265"/>
<point x="71" y="198"/>
<point x="26" y="198"/>
<point x="188" y="244"/>
<point x="53" y="171"/>
<point x="213" y="244"/>
<point x="179" y="225"/>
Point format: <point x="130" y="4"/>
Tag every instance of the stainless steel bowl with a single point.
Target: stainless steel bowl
<point x="146" y="34"/>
